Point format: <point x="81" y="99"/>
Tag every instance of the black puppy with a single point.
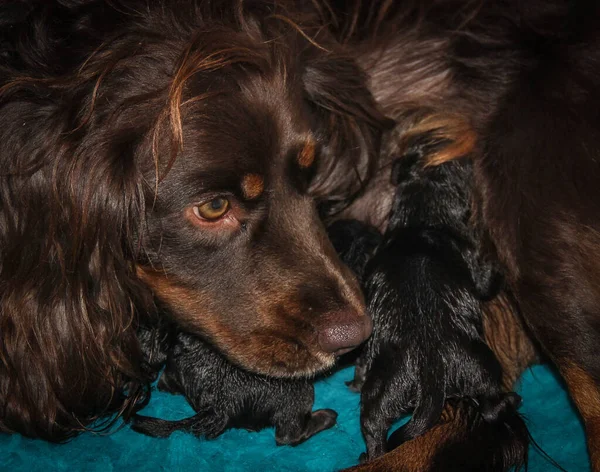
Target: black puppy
<point x="423" y="287"/>
<point x="355" y="243"/>
<point x="225" y="396"/>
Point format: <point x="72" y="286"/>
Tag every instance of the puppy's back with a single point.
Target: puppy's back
<point x="427" y="343"/>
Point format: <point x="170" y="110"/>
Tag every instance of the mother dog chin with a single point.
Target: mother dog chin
<point x="165" y="159"/>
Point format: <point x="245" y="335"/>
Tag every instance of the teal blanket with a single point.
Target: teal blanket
<point x="551" y="418"/>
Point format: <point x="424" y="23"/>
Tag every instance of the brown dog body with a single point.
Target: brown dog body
<point x="518" y="86"/>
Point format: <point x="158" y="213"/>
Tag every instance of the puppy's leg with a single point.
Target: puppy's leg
<point x="485" y="274"/>
<point x="360" y="375"/>
<point x="380" y="407"/>
<point x="374" y="430"/>
<point x="487" y="279"/>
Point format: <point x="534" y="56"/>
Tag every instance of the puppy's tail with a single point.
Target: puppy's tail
<point x="204" y="423"/>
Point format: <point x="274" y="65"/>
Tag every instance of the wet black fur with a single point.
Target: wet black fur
<point x="424" y="286"/>
<point x="355" y="243"/>
<point x="225" y="396"/>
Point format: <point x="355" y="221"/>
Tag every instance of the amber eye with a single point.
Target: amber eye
<point x="213" y="209"/>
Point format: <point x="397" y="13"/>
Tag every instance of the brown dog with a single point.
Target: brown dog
<point x="169" y="153"/>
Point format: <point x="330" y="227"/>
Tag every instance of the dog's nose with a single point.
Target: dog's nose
<point x="342" y="331"/>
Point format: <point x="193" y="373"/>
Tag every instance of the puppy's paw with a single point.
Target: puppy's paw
<point x="324" y="419"/>
<point x="292" y="435"/>
<point x="354" y="385"/>
<point x="360" y="375"/>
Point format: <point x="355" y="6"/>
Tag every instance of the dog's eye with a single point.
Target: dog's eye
<point x="213" y="209"/>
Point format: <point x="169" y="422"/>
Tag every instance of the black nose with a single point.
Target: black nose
<point x="342" y="331"/>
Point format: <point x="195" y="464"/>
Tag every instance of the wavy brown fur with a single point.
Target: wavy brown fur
<point x="115" y="117"/>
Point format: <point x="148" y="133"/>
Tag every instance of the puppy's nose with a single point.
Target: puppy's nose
<point x="343" y="331"/>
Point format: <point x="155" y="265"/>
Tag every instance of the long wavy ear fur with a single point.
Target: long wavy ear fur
<point x="67" y="317"/>
<point x="70" y="199"/>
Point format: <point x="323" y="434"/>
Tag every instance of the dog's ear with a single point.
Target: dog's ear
<point x="348" y="124"/>
<point x="69" y="197"/>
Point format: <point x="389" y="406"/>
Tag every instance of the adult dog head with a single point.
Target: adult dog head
<point x="170" y="152"/>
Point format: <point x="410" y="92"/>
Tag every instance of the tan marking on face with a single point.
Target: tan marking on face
<point x="189" y="305"/>
<point x="279" y="347"/>
<point x="307" y="155"/>
<point x="253" y="186"/>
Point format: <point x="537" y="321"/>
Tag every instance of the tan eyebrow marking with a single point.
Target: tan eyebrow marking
<point x="253" y="186"/>
<point x="307" y="155"/>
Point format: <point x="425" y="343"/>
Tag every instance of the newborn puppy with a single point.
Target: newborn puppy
<point x="225" y="396"/>
<point x="423" y="288"/>
<point x="155" y="341"/>
<point x="355" y="243"/>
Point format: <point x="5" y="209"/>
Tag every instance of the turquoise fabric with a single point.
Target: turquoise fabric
<point x="550" y="415"/>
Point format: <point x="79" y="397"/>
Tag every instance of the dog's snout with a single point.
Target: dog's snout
<point x="343" y="331"/>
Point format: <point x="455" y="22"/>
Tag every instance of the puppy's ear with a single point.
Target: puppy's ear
<point x="348" y="125"/>
<point x="69" y="200"/>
